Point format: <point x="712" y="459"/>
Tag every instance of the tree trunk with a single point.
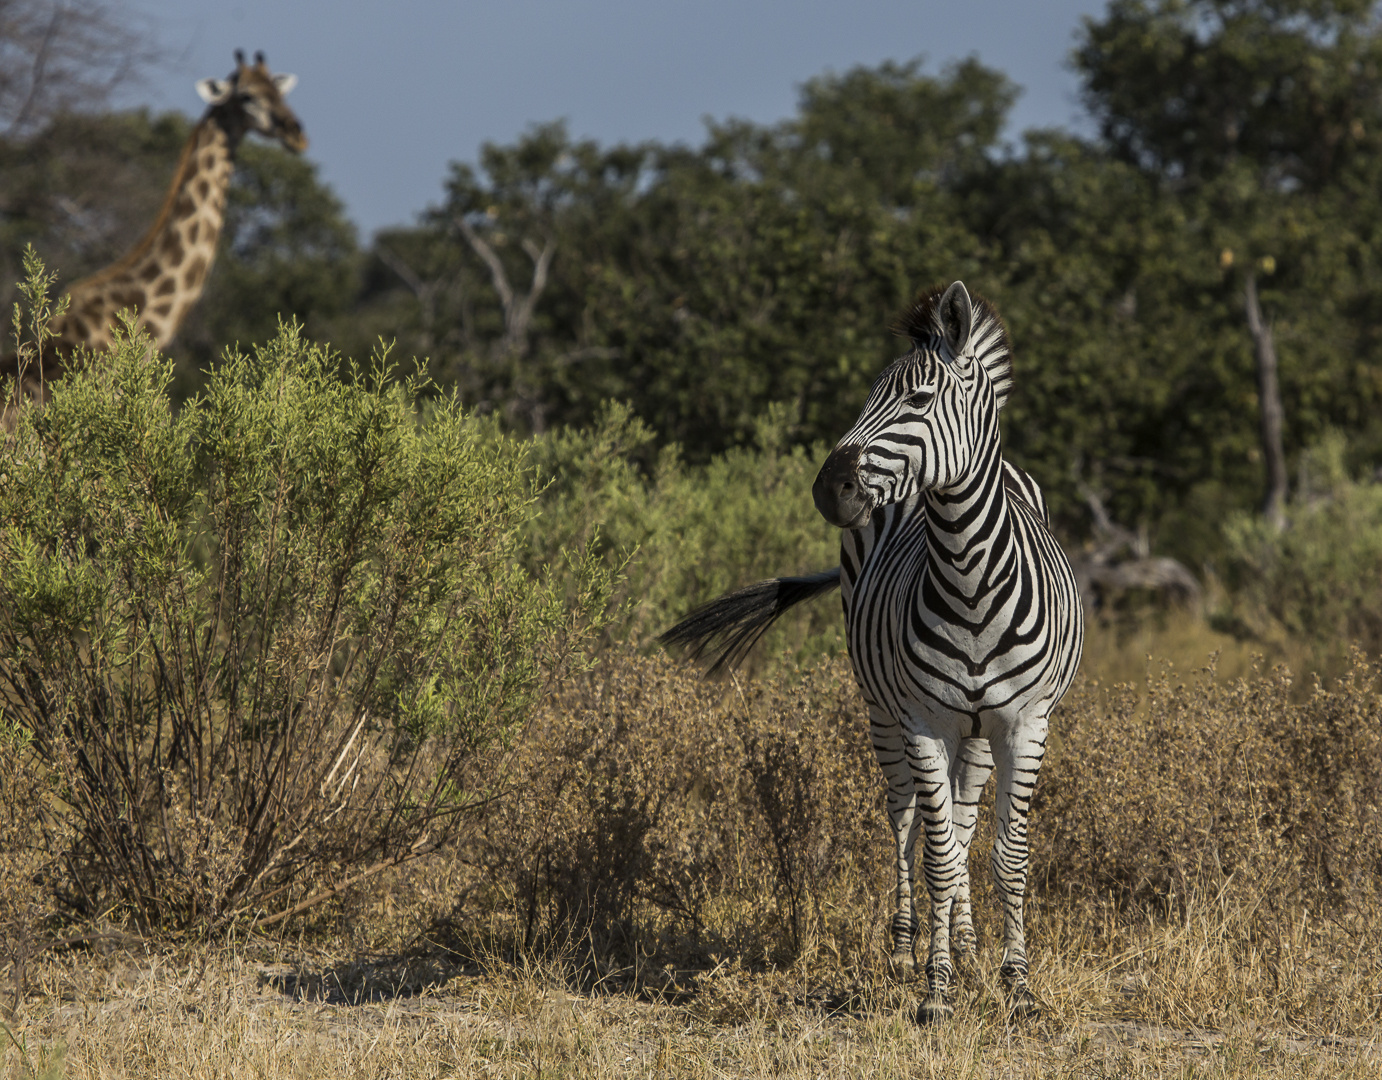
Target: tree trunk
<point x="1269" y="409"/>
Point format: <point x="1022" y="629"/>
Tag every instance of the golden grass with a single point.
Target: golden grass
<point x="692" y="882"/>
<point x="218" y="1016"/>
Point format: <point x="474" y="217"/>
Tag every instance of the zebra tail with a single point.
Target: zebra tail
<point x="726" y="629"/>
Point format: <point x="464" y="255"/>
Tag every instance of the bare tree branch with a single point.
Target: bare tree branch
<point x="496" y="268"/>
<point x="523" y="312"/>
<point x="37" y="69"/>
<point x="61" y="55"/>
<point x="405" y="272"/>
<point x="1270" y="412"/>
<point x="518" y="309"/>
<point x="1120" y="559"/>
<point x="425" y="291"/>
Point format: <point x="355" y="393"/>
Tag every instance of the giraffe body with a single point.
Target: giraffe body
<point x="162" y="276"/>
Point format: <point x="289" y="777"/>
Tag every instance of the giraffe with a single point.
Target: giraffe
<point x="162" y="276"/>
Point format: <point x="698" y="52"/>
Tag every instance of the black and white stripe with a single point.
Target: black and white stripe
<point x="963" y="621"/>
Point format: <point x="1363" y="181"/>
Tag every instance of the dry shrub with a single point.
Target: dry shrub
<point x="1202" y="786"/>
<point x="1201" y="850"/>
<point x="29" y="833"/>
<point x="659" y="812"/>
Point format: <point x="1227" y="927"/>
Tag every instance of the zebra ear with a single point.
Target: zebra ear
<point x="956" y="315"/>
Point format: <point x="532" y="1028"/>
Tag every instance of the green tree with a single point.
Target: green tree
<point x="700" y="285"/>
<point x="1187" y="88"/>
<point x="1256" y="119"/>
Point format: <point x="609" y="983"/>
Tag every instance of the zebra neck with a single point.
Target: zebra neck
<point x="968" y="525"/>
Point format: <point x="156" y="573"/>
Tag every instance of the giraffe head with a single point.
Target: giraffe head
<point x="251" y="99"/>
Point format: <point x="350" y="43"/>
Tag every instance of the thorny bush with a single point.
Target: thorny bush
<point x="1228" y="787"/>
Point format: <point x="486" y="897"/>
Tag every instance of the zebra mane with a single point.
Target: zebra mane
<point x="988" y="338"/>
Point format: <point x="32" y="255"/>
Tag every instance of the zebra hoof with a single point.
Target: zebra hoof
<point x="1022" y="1004"/>
<point x="934" y="1010"/>
<point x="902" y="966"/>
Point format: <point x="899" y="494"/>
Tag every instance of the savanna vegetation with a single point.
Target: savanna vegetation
<point x="333" y="738"/>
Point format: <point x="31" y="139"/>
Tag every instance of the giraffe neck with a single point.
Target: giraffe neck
<point x="163" y="275"/>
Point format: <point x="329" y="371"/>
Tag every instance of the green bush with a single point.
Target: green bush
<point x="1320" y="578"/>
<point x="684" y="534"/>
<point x="259" y="641"/>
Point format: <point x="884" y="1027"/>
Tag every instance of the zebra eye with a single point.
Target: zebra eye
<point x="919" y="399"/>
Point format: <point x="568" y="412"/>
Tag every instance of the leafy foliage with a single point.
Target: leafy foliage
<point x="680" y="532"/>
<point x="1318" y="578"/>
<point x="703" y="285"/>
<point x="259" y="641"/>
<point x="1189" y="87"/>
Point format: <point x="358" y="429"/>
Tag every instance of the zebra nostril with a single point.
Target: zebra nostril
<point x="847" y="489"/>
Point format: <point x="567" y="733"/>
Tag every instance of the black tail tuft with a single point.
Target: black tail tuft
<point x="727" y="628"/>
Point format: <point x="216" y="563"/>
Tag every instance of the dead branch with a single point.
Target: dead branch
<point x="518" y="308"/>
<point x="1119" y="560"/>
<point x="1270" y="412"/>
<point x="58" y="55"/>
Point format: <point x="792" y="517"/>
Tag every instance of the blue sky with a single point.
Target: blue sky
<point x="390" y="93"/>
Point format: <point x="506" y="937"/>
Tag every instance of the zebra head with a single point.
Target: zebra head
<point x="927" y="414"/>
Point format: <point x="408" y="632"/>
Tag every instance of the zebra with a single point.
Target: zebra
<point x="963" y="623"/>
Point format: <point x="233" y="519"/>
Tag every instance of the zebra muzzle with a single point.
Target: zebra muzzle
<point x="838" y="495"/>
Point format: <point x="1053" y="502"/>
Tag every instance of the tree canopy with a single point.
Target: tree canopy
<point x="703" y="285"/>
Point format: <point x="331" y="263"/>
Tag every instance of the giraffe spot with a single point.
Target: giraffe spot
<point x="150" y="271"/>
<point x="209" y="160"/>
<point x="165" y="287"/>
<point x="163" y="308"/>
<point x="195" y="272"/>
<point x="79" y="325"/>
<point x="193" y="231"/>
<point x="185" y="206"/>
<point x="172" y="247"/>
<point x="130" y="298"/>
<point x="203" y="188"/>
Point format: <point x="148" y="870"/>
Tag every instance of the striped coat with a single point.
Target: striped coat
<point x="963" y="623"/>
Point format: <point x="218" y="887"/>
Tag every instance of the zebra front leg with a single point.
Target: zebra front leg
<point x="969" y="773"/>
<point x="943" y="866"/>
<point x="1019" y="761"/>
<point x="889" y="749"/>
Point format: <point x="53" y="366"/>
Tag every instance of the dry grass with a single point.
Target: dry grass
<point x="149" y="1017"/>
<point x="692" y="882"/>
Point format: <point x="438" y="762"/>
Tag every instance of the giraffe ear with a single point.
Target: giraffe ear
<point x="285" y="83"/>
<point x="214" y="91"/>
<point x="956" y="318"/>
